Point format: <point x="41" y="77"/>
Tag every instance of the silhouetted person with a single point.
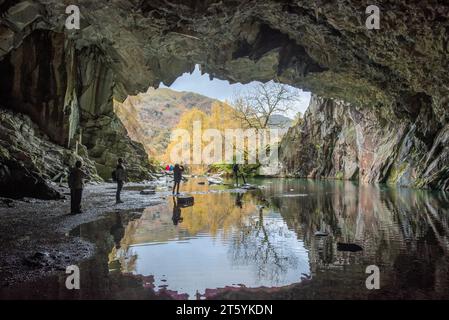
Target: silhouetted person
<point x="177" y="177"/>
<point x="235" y="170"/>
<point x="76" y="185"/>
<point x="120" y="175"/>
<point x="176" y="212"/>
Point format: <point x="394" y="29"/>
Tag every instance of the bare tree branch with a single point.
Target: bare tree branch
<point x="255" y="108"/>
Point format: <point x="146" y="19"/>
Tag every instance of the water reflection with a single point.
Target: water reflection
<point x="403" y="231"/>
<point x="267" y="237"/>
<point x="268" y="244"/>
<point x="227" y="239"/>
<point x="177" y="218"/>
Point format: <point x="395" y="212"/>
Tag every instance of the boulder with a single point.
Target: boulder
<point x="148" y="191"/>
<point x="351" y="247"/>
<point x="185" y="201"/>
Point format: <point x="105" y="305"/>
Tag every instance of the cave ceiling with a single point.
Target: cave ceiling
<point x="321" y="46"/>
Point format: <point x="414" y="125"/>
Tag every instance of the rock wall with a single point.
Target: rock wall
<point x="66" y="89"/>
<point x="340" y="141"/>
<point x="31" y="165"/>
<point x="101" y="130"/>
<point x="322" y="46"/>
<point x="34" y="81"/>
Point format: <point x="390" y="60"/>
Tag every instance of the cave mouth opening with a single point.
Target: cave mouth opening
<point x="64" y="95"/>
<point x="151" y="116"/>
<point x="66" y="86"/>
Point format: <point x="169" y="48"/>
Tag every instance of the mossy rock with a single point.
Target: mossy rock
<point x="339" y="175"/>
<point x="396" y="173"/>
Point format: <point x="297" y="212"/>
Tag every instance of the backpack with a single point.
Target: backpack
<point x="114" y="175"/>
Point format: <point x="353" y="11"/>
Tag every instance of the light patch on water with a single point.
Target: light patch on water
<point x="269" y="256"/>
<point x="226" y="239"/>
<point x="291" y="195"/>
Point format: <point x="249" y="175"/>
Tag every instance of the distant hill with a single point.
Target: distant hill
<point x="280" y="121"/>
<point x="149" y="117"/>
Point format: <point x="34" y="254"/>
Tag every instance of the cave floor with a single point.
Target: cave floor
<point x="35" y="234"/>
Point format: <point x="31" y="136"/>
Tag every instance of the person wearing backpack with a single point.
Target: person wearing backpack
<point x="120" y="177"/>
<point x="76" y="185"/>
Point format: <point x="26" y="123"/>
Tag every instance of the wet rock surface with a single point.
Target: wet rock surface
<point x="341" y="141"/>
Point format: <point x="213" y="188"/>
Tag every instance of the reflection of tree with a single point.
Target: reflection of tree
<point x="405" y="231"/>
<point x="214" y="213"/>
<point x="260" y="242"/>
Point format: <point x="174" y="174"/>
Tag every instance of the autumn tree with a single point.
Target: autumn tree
<point x="220" y="117"/>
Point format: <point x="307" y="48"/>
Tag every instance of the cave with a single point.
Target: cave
<point x="377" y="82"/>
<point x="378" y="115"/>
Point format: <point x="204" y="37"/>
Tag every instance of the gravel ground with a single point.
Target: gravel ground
<point x="34" y="234"/>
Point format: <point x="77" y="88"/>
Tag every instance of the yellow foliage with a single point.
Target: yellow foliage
<point x="221" y="117"/>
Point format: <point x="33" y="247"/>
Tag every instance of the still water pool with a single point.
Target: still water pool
<point x="264" y="242"/>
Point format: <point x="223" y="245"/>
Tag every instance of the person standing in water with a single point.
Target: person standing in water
<point x="121" y="177"/>
<point x="76" y="185"/>
<point x="235" y="170"/>
<point x="177" y="177"/>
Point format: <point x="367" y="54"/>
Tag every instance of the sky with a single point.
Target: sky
<point x="223" y="90"/>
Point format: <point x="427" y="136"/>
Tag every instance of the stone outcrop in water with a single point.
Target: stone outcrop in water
<point x="125" y="46"/>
